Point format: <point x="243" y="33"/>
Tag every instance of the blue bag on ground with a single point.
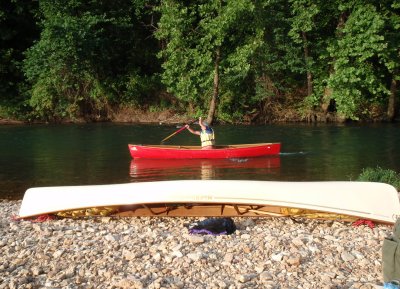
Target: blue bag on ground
<point x="213" y="226"/>
<point x="391" y="285"/>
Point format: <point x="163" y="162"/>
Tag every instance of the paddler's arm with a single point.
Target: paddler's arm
<point x="191" y="130"/>
<point x="203" y="127"/>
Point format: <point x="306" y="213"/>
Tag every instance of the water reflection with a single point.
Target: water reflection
<point x="167" y="169"/>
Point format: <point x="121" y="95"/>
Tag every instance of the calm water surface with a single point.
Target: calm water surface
<point x="50" y="155"/>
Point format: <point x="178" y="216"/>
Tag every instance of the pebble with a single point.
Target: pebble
<point x="347" y="257"/>
<point x="152" y="252"/>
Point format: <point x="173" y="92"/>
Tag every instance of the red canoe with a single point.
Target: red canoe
<point x="195" y="152"/>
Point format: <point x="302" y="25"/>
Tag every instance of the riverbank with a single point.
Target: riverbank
<point x="169" y="116"/>
<point x="127" y="115"/>
<point x="159" y="253"/>
<point x="10" y="121"/>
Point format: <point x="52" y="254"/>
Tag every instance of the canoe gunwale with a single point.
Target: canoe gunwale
<point x="216" y="147"/>
<point x="213" y="210"/>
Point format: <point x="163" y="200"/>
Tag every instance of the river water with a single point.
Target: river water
<point x="86" y="154"/>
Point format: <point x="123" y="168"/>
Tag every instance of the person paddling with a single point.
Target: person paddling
<point x="206" y="134"/>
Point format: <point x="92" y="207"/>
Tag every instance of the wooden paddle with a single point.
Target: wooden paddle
<point x="178" y="131"/>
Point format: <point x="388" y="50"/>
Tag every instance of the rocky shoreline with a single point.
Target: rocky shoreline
<point x="160" y="253"/>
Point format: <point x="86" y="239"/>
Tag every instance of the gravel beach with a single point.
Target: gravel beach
<point x="160" y="253"/>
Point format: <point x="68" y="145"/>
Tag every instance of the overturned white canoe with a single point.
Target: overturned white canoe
<point x="366" y="200"/>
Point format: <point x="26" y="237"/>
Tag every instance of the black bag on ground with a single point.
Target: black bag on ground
<point x="391" y="255"/>
<point x="213" y="226"/>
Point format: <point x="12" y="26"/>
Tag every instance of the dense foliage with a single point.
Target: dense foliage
<point x="380" y="175"/>
<point x="17" y="33"/>
<point x="233" y="60"/>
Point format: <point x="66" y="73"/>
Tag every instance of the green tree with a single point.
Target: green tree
<point x="391" y="55"/>
<point x="208" y="47"/>
<point x="86" y="60"/>
<point x="358" y="79"/>
<point x="313" y="24"/>
<point x="280" y="67"/>
<point x="303" y="22"/>
<point x="18" y="30"/>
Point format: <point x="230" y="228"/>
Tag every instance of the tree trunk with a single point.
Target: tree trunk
<point x="213" y="102"/>
<point x="306" y="58"/>
<point x="327" y="97"/>
<point x="341" y="23"/>
<point x="391" y="112"/>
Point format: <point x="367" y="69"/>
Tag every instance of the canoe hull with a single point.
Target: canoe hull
<point x="195" y="152"/>
<point x="367" y="200"/>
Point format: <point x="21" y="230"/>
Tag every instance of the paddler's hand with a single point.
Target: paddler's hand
<point x="187" y="126"/>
